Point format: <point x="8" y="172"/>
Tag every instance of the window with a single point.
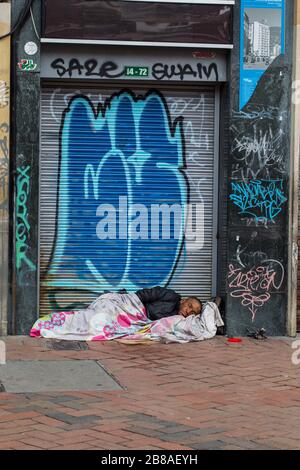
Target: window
<point x="139" y="20"/>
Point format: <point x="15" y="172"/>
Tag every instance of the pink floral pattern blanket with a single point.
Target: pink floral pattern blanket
<point x="115" y="316"/>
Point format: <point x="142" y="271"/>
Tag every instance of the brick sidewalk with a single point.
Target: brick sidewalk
<point x="208" y="395"/>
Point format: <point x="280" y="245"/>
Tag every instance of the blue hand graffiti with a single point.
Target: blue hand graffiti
<point x="128" y="147"/>
<point x="260" y="199"/>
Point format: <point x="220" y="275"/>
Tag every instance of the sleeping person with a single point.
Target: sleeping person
<point x="117" y="315"/>
<point x="161" y="302"/>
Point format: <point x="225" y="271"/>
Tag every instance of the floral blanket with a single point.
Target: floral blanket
<point x="115" y="316"/>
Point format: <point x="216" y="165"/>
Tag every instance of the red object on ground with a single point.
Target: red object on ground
<point x="234" y="340"/>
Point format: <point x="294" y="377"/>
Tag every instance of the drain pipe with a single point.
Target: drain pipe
<point x="5" y="24"/>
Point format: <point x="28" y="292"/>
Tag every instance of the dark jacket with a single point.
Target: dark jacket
<point x="159" y="302"/>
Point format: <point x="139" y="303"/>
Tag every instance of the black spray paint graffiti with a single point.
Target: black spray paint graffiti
<point x="161" y="71"/>
<point x="109" y="69"/>
<point x="22" y="223"/>
<point x="89" y="68"/>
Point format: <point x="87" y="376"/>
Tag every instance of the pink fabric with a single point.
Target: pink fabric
<point x="35" y="333"/>
<point x="108" y="317"/>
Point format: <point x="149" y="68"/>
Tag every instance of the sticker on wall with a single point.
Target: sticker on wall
<point x="204" y="54"/>
<point x="27" y="65"/>
<point x="131" y="71"/>
<point x="262" y="40"/>
<point x="31" y="48"/>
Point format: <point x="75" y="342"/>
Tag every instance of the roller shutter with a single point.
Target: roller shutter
<point x="298" y="290"/>
<point x="105" y="151"/>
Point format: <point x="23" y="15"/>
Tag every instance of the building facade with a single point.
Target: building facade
<point x="138" y="164"/>
<point x="260" y="39"/>
<point x="247" y="37"/>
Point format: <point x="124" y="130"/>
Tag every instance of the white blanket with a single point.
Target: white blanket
<point x="115" y="316"/>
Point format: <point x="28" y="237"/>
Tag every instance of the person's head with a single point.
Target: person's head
<point x="190" y="306"/>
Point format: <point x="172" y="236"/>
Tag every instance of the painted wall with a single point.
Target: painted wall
<point x="258" y="188"/>
<point x="259" y="194"/>
<point x="25" y="167"/>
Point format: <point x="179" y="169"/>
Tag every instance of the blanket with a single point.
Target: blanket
<point x="178" y="329"/>
<point x="116" y="316"/>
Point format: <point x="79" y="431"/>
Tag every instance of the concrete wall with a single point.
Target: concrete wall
<point x="25" y="171"/>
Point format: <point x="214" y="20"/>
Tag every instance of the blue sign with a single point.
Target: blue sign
<point x="262" y="40"/>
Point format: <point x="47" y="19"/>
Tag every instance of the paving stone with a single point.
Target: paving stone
<point x="210" y="445"/>
<point x="72" y="419"/>
<point x="169" y="398"/>
<point x="39" y="376"/>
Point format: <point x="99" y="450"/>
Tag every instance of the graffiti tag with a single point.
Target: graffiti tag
<point x="27" y="65"/>
<point x="22" y="224"/>
<point x="258" y="154"/>
<point x="253" y="286"/>
<point x="259" y="198"/>
<point x="183" y="72"/>
<point x="4" y="161"/>
<point x="4" y="94"/>
<point x="109" y="69"/>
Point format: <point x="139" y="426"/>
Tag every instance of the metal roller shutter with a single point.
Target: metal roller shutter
<point x="100" y="144"/>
